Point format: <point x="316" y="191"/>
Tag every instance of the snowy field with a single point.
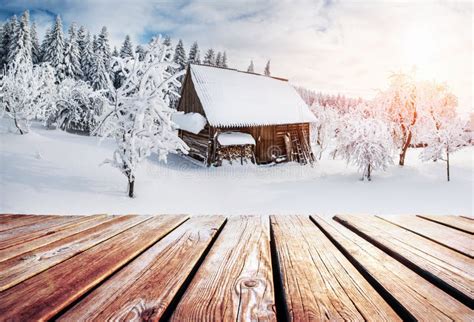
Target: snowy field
<point x="53" y="172"/>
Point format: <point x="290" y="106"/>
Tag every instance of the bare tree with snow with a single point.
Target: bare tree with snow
<point x="251" y="68"/>
<point x="266" y="72"/>
<point x="140" y="117"/>
<point x="444" y="140"/>
<point x="323" y="132"/>
<point x="365" y="142"/>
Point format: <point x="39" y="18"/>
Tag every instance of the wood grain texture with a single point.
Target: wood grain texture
<point x="21" y="267"/>
<point x="456" y="240"/>
<point x="13" y="221"/>
<point x="235" y="280"/>
<point x="319" y="282"/>
<point x="166" y="266"/>
<point x="456" y="222"/>
<point x="437" y="261"/>
<point x="421" y="299"/>
<point x="21" y="234"/>
<point x="61" y="285"/>
<point x="28" y="241"/>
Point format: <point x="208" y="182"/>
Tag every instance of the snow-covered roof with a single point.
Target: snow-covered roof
<point x="234" y="98"/>
<point x="235" y="138"/>
<point x="191" y="122"/>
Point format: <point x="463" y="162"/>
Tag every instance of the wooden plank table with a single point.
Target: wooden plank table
<point x="245" y="268"/>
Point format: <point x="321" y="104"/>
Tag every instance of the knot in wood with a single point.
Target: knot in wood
<point x="250" y="283"/>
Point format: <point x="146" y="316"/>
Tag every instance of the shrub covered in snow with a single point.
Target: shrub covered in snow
<point x="26" y="92"/>
<point x="78" y="107"/>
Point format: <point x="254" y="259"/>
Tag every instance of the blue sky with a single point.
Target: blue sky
<point x="332" y="46"/>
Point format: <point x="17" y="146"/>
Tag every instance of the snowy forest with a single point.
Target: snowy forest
<point x="75" y="82"/>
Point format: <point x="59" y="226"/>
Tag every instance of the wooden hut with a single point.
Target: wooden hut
<point x="221" y="108"/>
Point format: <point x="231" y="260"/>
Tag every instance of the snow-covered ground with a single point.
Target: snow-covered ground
<point x="53" y="172"/>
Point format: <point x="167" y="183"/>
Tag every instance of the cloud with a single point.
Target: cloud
<point x="332" y="46"/>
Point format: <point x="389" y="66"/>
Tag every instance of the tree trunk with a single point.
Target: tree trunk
<point x="131" y="185"/>
<point x="403" y="153"/>
<point x="447" y="165"/>
<point x="368" y="173"/>
<point x="18" y="126"/>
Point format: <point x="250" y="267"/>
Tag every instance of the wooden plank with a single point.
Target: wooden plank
<point x="21" y="267"/>
<point x="318" y="281"/>
<point x="18" y="235"/>
<point x="235" y="280"/>
<point x="54" y="289"/>
<point x="127" y="294"/>
<point x="10" y="222"/>
<point x="23" y="244"/>
<point x="448" y="268"/>
<point x="456" y="240"/>
<point x="415" y="297"/>
<point x="456" y="222"/>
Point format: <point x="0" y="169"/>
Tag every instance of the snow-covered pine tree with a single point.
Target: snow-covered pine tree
<point x="224" y="60"/>
<point x="179" y="57"/>
<point x="443" y="139"/>
<point x="194" y="57"/>
<point x="35" y="45"/>
<point x="72" y="63"/>
<point x="167" y="42"/>
<point x="140" y="118"/>
<point x="127" y="48"/>
<point x="100" y="76"/>
<point x="251" y="68"/>
<point x="141" y="52"/>
<point x="81" y="38"/>
<point x="86" y="58"/>
<point x="20" y="47"/>
<point x="7" y="34"/>
<point x="14" y="39"/>
<point x="115" y="52"/>
<point x="210" y="58"/>
<point x="266" y="72"/>
<point x="54" y="49"/>
<point x="365" y="142"/>
<point x="2" y="51"/>
<point x="26" y="92"/>
<point x="102" y="46"/>
<point x="219" y="59"/>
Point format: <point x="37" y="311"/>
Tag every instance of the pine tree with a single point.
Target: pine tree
<point x="2" y="50"/>
<point x="127" y="48"/>
<point x="167" y="43"/>
<point x="219" y="59"/>
<point x="194" y="57"/>
<point x="13" y="39"/>
<point x="20" y="47"/>
<point x="54" y="49"/>
<point x="81" y="39"/>
<point x="72" y="64"/>
<point x="251" y="69"/>
<point x="103" y="47"/>
<point x="100" y="77"/>
<point x="141" y="52"/>
<point x="224" y="60"/>
<point x="35" y="46"/>
<point x="115" y="52"/>
<point x="87" y="58"/>
<point x="180" y="56"/>
<point x="210" y="58"/>
<point x="267" y="69"/>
